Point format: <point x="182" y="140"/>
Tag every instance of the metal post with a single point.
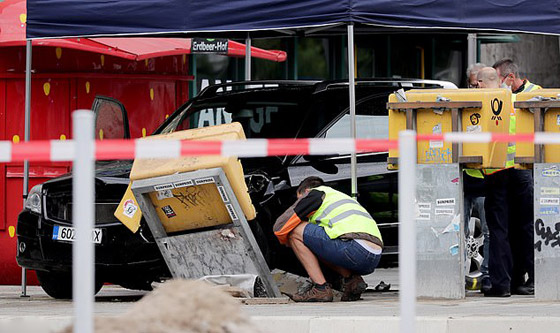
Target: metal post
<point x="407" y="231"/>
<point x="27" y="122"/>
<point x="248" y="58"/>
<point x="352" y="95"/>
<point x="192" y="68"/>
<point x="471" y="49"/>
<point x="83" y="268"/>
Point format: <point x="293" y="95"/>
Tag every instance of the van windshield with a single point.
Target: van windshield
<point x="260" y="119"/>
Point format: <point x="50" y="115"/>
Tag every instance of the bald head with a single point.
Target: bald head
<point x="488" y="78"/>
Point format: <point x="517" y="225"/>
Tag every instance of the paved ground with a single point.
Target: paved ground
<point x="376" y="312"/>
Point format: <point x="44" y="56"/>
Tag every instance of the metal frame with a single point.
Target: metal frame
<point x="439" y="227"/>
<point x="174" y="247"/>
<point x="545" y="237"/>
<point x="439" y="245"/>
<point x="545" y="216"/>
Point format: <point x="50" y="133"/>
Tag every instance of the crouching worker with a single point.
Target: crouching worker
<point x="327" y="225"/>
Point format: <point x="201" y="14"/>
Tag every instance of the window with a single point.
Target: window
<point x="367" y="127"/>
<point x="259" y="120"/>
<point x="372" y="121"/>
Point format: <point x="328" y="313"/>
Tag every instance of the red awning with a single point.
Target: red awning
<point x="12" y="33"/>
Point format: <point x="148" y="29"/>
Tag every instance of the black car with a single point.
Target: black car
<point x="271" y="109"/>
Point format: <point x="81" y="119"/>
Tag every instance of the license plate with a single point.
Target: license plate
<point x="68" y="234"/>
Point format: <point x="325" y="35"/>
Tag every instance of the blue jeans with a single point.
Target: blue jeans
<point x="343" y="253"/>
<point x="477" y="203"/>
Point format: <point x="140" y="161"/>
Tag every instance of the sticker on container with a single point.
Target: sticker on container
<point x="207" y="180"/>
<point x="445" y="202"/>
<point x="551" y="172"/>
<point x="129" y="208"/>
<point x="558" y="119"/>
<point x="223" y="193"/>
<point x="423" y="216"/>
<point x="549" y="211"/>
<point x="436" y="143"/>
<point x="231" y="212"/>
<point x="454" y="249"/>
<point x="453" y="226"/>
<point x="475" y="119"/>
<point x="474" y="129"/>
<point x="168" y="211"/>
<point x="163" y="187"/>
<point x="550" y="201"/>
<point x="183" y="183"/>
<point x="164" y="194"/>
<point x="550" y="190"/>
<point x="445" y="211"/>
<point x="424" y="205"/>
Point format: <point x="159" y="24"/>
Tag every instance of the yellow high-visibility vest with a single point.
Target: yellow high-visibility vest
<point x="340" y="214"/>
<point x="510" y="159"/>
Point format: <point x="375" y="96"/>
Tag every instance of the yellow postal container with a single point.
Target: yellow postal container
<point x="525" y="123"/>
<point x="492" y="117"/>
<point x="195" y="206"/>
<point x="190" y="207"/>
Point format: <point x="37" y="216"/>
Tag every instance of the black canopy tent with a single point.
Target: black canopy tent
<point x="73" y="18"/>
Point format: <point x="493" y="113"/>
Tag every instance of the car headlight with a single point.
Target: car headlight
<point x="33" y="202"/>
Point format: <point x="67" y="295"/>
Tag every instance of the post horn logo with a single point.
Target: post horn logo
<point x="497" y="106"/>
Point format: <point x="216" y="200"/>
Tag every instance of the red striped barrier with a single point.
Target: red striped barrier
<point x="55" y="150"/>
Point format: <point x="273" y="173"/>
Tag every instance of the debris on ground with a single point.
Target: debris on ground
<point x="185" y="306"/>
<point x="290" y="284"/>
<point x="382" y="286"/>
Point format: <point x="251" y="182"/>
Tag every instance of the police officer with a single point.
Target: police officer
<point x="327" y="225"/>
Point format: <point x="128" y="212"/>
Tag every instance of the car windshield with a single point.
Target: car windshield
<point x="289" y="111"/>
<point x="262" y="114"/>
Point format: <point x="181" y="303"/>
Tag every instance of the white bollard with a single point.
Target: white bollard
<point x="83" y="193"/>
<point x="407" y="231"/>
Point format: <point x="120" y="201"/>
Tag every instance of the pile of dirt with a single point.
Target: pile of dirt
<point x="180" y="306"/>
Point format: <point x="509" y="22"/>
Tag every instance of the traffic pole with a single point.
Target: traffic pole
<point x="407" y="231"/>
<point x="83" y="192"/>
<point x="27" y="129"/>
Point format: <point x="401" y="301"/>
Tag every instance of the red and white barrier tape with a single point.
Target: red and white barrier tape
<point x="56" y="150"/>
<point x="537" y="138"/>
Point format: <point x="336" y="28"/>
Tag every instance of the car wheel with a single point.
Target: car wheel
<point x="474" y="245"/>
<point x="59" y="284"/>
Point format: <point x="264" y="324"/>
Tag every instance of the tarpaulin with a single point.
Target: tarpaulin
<point x="66" y="18"/>
<point x="12" y="33"/>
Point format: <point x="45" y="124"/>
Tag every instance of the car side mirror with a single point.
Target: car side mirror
<point x="111" y="120"/>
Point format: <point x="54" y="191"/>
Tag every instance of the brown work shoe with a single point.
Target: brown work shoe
<point x="352" y="288"/>
<point x="314" y="294"/>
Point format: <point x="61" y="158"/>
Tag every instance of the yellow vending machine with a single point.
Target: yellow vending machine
<point x="438" y="206"/>
<point x="438" y="111"/>
<point x="538" y="111"/>
<point x="197" y="208"/>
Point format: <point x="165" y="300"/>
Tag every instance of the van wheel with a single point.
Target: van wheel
<point x="59" y="285"/>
